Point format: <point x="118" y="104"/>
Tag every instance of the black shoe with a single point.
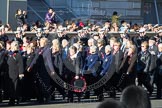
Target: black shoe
<point x="150" y="92"/>
<point x="17" y="102"/>
<point x="100" y="98"/>
<point x="1" y="95"/>
<point x="79" y="99"/>
<point x="70" y="100"/>
<point x="63" y="96"/>
<point x="48" y="99"/>
<point x="112" y="94"/>
<point x="86" y="97"/>
<point x="41" y="101"/>
<point x="53" y="98"/>
<point x="11" y="103"/>
<point x="157" y="97"/>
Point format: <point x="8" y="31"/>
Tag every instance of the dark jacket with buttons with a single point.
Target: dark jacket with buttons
<point x="143" y="62"/>
<point x="15" y="62"/>
<point x="106" y="63"/>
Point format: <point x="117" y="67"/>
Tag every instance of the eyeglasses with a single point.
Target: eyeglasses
<point x="142" y="46"/>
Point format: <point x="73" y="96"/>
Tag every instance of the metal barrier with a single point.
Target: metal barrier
<point x="72" y="34"/>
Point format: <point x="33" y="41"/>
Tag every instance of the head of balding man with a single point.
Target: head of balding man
<point x="160" y="47"/>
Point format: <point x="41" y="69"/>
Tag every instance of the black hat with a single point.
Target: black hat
<point x="127" y="36"/>
<point x="152" y="38"/>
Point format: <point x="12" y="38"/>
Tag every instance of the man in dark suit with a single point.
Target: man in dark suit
<point x="118" y="57"/>
<point x="57" y="65"/>
<point x="159" y="72"/>
<point x="101" y="48"/>
<point x="143" y="65"/>
<point x="16" y="69"/>
<point x="141" y="38"/>
<point x="65" y="49"/>
<point x="153" y="51"/>
<point x="43" y="63"/>
<point x="3" y="72"/>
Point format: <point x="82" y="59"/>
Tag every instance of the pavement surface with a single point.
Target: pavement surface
<point x="84" y="104"/>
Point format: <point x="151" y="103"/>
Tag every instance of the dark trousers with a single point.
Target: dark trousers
<point x="14" y="90"/>
<point x="159" y="86"/>
<point x="127" y="80"/>
<point x="144" y="78"/>
<point x="67" y="77"/>
<point x="112" y="84"/>
<point x="89" y="80"/>
<point x="99" y="90"/>
<point x="58" y="87"/>
<point x="1" y="87"/>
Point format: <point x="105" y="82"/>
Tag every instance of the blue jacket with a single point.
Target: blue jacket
<point x="106" y="64"/>
<point x="91" y="60"/>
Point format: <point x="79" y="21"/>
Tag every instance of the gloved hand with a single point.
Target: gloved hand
<point x="83" y="72"/>
<point x="94" y="74"/>
<point x="101" y="74"/>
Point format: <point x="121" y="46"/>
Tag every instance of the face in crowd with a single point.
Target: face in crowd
<point x="50" y="11"/>
<point x="151" y="42"/>
<point x="29" y="49"/>
<point x="160" y="47"/>
<point x="90" y="42"/>
<point x="72" y="50"/>
<point x="131" y="50"/>
<point x="144" y="46"/>
<point x="107" y="49"/>
<point x="64" y="43"/>
<point x="43" y="42"/>
<point x="93" y="49"/>
<point x="19" y="12"/>
<point x="116" y="46"/>
<point x="55" y="46"/>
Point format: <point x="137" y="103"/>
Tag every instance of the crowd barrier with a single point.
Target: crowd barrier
<point x="71" y="34"/>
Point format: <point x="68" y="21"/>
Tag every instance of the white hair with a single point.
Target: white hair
<point x="108" y="47"/>
<point x="91" y="40"/>
<point x="93" y="49"/>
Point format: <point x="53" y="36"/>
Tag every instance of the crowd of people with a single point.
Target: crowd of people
<point x="29" y="66"/>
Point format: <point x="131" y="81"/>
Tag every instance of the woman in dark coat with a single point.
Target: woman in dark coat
<point x="128" y="68"/>
<point x="72" y="65"/>
<point x="16" y="69"/>
<point x="57" y="65"/>
<point x="29" y="86"/>
<point x="41" y="63"/>
<point x="20" y="17"/>
<point x="3" y="71"/>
